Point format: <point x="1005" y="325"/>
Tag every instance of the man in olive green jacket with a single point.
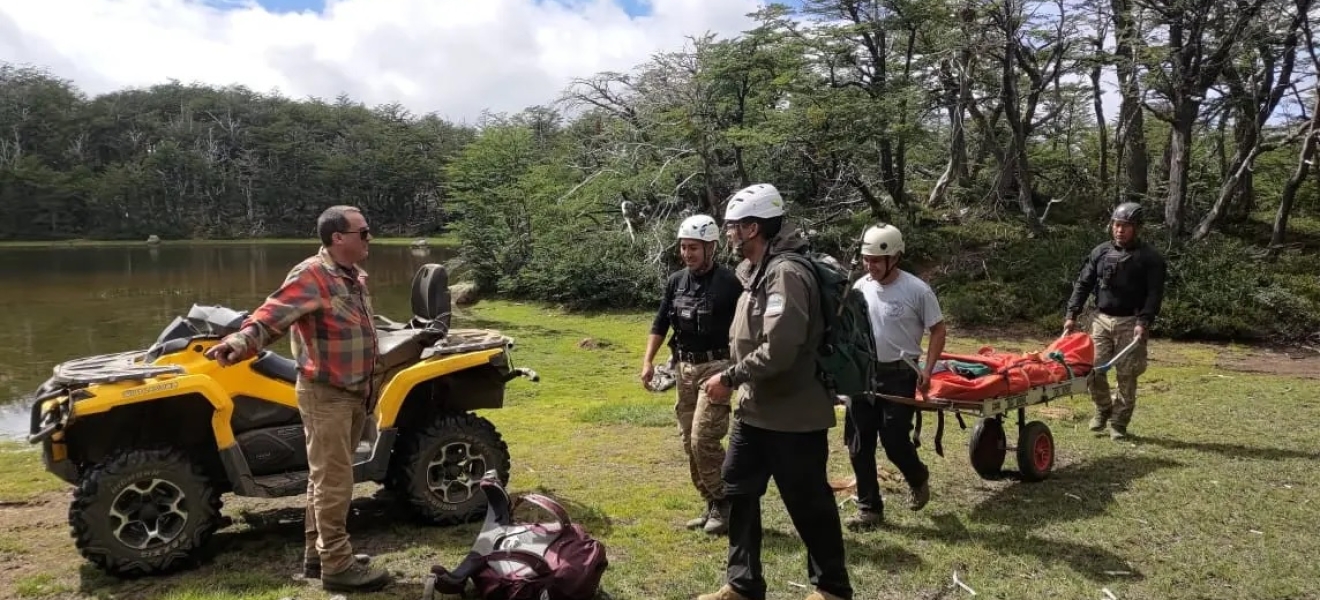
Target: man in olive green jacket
<point x="784" y="413"/>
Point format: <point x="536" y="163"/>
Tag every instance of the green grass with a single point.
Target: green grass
<point x="1213" y="498"/>
<point x="22" y="476"/>
<point x="444" y="241"/>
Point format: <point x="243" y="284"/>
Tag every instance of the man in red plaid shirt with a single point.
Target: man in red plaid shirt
<point x="325" y="303"/>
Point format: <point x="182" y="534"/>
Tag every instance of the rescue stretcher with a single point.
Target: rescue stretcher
<point x="1011" y="382"/>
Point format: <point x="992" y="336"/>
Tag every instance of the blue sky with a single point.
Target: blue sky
<point x="634" y="8"/>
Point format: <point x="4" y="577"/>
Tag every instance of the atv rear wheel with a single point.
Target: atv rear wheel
<point x="144" y="512"/>
<point x="440" y="467"/>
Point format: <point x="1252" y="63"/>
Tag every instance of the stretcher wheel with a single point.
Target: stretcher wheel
<point x="987" y="448"/>
<point x="1035" y="451"/>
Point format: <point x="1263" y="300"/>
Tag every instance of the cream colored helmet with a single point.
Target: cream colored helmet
<point x="761" y="200"/>
<point x="699" y="227"/>
<point x="882" y="240"/>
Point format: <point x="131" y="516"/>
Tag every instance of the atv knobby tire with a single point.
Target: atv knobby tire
<point x="439" y="467"/>
<point x="144" y="512"/>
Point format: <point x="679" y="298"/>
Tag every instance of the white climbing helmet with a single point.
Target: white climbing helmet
<point x="699" y="227"/>
<point x="761" y="201"/>
<point x="882" y="240"/>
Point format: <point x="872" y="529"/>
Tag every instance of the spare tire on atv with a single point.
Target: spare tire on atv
<point x="439" y="467"/>
<point x="144" y="512"/>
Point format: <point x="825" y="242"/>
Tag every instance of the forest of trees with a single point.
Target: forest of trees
<point x="978" y="127"/>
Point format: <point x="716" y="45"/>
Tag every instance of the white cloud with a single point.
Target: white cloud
<point x="453" y="57"/>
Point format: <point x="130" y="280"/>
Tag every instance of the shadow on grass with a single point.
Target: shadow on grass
<point x="1092" y="485"/>
<point x="1093" y="562"/>
<point x="1023" y="507"/>
<point x="873" y="552"/>
<point x="1227" y="450"/>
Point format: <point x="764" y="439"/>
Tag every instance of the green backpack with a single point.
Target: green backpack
<point x="846" y="362"/>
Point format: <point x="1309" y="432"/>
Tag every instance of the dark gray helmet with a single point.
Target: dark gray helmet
<point x="1129" y="212"/>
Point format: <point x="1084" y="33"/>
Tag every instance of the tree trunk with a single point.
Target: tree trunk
<point x="1098" y="98"/>
<point x="1131" y="131"/>
<point x="1180" y="144"/>
<point x="1289" y="195"/>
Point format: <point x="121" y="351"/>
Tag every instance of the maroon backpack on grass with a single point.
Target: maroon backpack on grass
<point x="511" y="560"/>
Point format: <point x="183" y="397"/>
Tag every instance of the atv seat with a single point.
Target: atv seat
<point x="275" y="366"/>
<point x="430" y="302"/>
<point x="397" y="342"/>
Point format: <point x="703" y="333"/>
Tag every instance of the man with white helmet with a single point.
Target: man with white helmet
<point x="699" y="303"/>
<point x="902" y="308"/>
<point x="784" y="411"/>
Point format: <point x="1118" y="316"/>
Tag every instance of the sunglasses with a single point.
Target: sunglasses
<point x="362" y="233"/>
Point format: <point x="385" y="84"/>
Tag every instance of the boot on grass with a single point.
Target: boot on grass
<point x="718" y="522"/>
<point x="356" y="578"/>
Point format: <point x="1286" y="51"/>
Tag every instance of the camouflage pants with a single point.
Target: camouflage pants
<point x="702" y="425"/>
<point x="1112" y="334"/>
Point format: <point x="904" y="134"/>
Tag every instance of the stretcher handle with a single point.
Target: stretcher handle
<point x="1102" y="369"/>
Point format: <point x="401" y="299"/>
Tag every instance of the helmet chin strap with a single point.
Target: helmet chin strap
<point x="707" y="258"/>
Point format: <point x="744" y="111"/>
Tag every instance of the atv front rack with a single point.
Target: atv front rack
<point x="110" y="368"/>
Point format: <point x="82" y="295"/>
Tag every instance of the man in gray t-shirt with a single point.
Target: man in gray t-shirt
<point x="902" y="308"/>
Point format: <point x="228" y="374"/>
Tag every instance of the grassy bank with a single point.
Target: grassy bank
<point x="1212" y="498"/>
<point x="444" y="241"/>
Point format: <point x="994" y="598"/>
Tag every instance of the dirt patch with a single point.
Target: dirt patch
<point x="36" y="513"/>
<point x="1298" y="362"/>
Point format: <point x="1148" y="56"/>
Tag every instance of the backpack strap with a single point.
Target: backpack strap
<point x="453" y="582"/>
<point x="498" y="509"/>
<point x="550" y="506"/>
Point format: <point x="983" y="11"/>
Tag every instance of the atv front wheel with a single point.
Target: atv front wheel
<point x="144" y="512"/>
<point x="440" y="467"/>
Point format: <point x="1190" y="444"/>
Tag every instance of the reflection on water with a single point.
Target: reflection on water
<point x="63" y="303"/>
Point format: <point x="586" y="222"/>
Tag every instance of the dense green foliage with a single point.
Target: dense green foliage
<point x="191" y="161"/>
<point x="972" y="126"/>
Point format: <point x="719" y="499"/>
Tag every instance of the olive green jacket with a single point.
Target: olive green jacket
<point x="776" y="332"/>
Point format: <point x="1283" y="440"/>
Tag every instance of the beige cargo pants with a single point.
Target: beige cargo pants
<point x="1112" y="334"/>
<point x="333" y="420"/>
<point x="702" y="425"/>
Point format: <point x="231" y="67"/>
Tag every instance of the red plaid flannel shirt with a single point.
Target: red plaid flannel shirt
<point x="329" y="311"/>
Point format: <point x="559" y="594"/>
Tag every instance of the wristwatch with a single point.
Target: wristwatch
<point x="726" y="379"/>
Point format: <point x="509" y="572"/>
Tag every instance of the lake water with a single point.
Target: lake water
<point x="63" y="303"/>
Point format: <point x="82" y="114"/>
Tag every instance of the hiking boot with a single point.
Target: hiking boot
<point x="822" y="595"/>
<point x="312" y="564"/>
<point x="700" y="521"/>
<point x="1117" y="432"/>
<point x="864" y="519"/>
<point x="1098" y="422"/>
<point x="718" y="522"/>
<point x="920" y="496"/>
<point x="725" y="593"/>
<point x="356" y="578"/>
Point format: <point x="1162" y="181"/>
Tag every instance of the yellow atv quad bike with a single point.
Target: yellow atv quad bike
<point x="152" y="438"/>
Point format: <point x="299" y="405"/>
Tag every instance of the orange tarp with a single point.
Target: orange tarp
<point x="1014" y="373"/>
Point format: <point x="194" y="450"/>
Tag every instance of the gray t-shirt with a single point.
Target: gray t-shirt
<point x="901" y="312"/>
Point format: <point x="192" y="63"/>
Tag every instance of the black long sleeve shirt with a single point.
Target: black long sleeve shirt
<point x="719" y="288"/>
<point x="1125" y="282"/>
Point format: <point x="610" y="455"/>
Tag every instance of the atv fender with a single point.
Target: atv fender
<point x="396" y="390"/>
<point x="168" y="386"/>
